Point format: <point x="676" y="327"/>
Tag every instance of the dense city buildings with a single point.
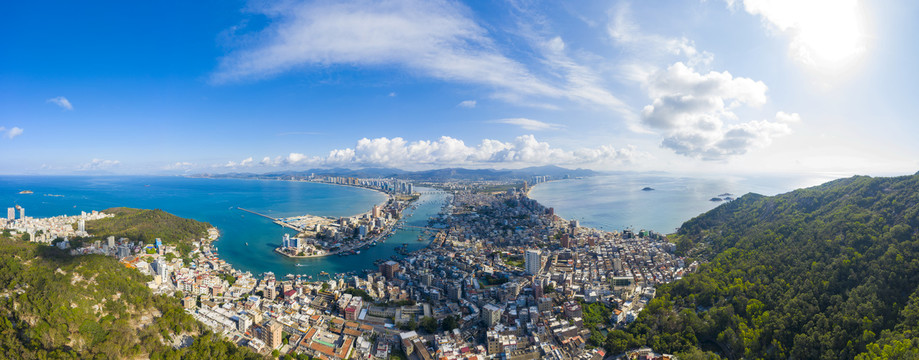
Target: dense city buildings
<point x="503" y="278"/>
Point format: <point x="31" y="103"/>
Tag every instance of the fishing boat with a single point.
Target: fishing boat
<point x="299" y="265"/>
<point x="323" y="273"/>
<point x="247" y="244"/>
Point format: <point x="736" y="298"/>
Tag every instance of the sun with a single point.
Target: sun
<point x="826" y="34"/>
<point x="830" y="33"/>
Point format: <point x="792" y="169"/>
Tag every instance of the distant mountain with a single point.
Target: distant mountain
<point x="554" y="172"/>
<point x="828" y="272"/>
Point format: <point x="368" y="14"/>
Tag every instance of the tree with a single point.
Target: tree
<point x="409" y="326"/>
<point x="429" y="324"/>
<point x="450" y="322"/>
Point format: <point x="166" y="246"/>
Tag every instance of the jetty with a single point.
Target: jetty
<point x="275" y="220"/>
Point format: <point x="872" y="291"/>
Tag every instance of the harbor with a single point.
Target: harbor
<point x="397" y="241"/>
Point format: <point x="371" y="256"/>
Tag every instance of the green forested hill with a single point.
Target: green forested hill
<point x="829" y="272"/>
<point x="55" y="306"/>
<point x="147" y="225"/>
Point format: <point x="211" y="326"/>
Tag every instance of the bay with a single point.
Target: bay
<point x="215" y="201"/>
<point x="617" y="202"/>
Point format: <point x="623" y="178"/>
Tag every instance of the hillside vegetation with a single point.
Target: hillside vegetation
<point x="147" y="225"/>
<point x="57" y="306"/>
<point x="829" y="272"/>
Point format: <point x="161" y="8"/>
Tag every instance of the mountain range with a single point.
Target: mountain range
<point x="445" y="174"/>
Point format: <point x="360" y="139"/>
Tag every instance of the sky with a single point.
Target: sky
<point x="717" y="87"/>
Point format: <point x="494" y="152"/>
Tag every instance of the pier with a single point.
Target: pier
<point x="417" y="227"/>
<point x="276" y="221"/>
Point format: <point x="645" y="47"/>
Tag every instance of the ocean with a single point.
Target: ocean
<point x="617" y="202"/>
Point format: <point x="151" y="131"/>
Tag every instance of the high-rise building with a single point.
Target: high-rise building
<point x="389" y="269"/>
<point x="294" y="242"/>
<point x="565" y="241"/>
<point x="243" y="322"/>
<point x="111" y="242"/>
<point x="454" y="290"/>
<point x="271" y="334"/>
<point x="533" y="262"/>
<point x="81" y="225"/>
<point x="161" y="268"/>
<point x="271" y="292"/>
<point x="376" y="211"/>
<point x="124" y="251"/>
<point x="491" y="314"/>
<point x="22" y="212"/>
<point x="11" y="214"/>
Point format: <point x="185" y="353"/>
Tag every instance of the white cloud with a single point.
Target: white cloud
<point x="249" y="161"/>
<point x="11" y="133"/>
<point x="446" y="151"/>
<point x="822" y="32"/>
<point x="529" y="124"/>
<point x="433" y="38"/>
<point x="694" y="113"/>
<point x="99" y="164"/>
<point x="523" y="151"/>
<point x="469" y="104"/>
<point x="14" y="132"/>
<point x="392" y="94"/>
<point x="180" y="165"/>
<point x="62" y="102"/>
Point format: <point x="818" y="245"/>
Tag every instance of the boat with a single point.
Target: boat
<point x="323" y="273"/>
<point x="299" y="265"/>
<point x="247" y="244"/>
<point x="358" y="252"/>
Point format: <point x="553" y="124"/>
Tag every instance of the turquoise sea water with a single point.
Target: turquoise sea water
<point x="617" y="202"/>
<point x="215" y="201"/>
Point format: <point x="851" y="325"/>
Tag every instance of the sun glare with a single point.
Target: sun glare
<point x="830" y="34"/>
<point x="825" y="34"/>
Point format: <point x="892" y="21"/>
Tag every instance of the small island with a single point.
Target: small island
<point x="647" y="188"/>
<point x="26" y="192"/>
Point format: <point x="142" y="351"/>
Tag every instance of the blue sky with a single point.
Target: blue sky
<point x="687" y="87"/>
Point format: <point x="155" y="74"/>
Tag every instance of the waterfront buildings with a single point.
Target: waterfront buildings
<point x="48" y="229"/>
